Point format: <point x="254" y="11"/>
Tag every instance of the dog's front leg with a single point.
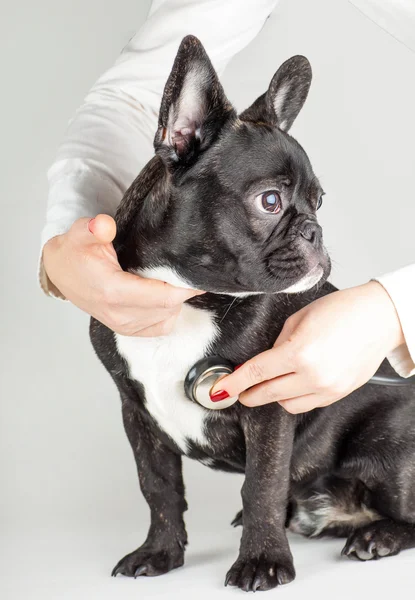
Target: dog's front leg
<point x="160" y="475"/>
<point x="265" y="559"/>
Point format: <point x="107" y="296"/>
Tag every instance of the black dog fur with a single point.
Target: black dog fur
<point x="345" y="470"/>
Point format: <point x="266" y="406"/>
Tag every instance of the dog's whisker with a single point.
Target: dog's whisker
<point x="229" y="308"/>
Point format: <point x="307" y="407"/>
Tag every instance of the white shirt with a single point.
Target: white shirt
<point x="109" y="139"/>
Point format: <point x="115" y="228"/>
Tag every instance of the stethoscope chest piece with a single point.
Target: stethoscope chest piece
<point x="203" y="376"/>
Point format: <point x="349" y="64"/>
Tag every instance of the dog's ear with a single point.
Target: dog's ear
<point x="285" y="97"/>
<point x="194" y="107"/>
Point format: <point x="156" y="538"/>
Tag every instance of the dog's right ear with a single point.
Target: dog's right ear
<point x="194" y="107"/>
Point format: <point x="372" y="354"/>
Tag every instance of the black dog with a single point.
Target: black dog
<point x="228" y="205"/>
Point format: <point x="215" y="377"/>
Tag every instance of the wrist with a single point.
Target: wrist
<point x="48" y="258"/>
<point x="388" y="317"/>
<point x="53" y="243"/>
<point x="51" y="247"/>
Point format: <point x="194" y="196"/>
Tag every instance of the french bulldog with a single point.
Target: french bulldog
<point x="228" y="205"/>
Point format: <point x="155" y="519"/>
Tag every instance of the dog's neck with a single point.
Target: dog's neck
<point x="152" y="177"/>
<point x="141" y="212"/>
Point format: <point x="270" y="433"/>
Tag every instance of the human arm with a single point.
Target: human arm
<point x="110" y="139"/>
<point x="333" y="346"/>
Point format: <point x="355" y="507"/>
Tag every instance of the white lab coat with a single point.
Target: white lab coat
<point x="110" y="137"/>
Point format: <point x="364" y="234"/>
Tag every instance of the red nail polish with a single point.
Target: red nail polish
<point x="90" y="224"/>
<point x="220" y="395"/>
<point x="238" y="367"/>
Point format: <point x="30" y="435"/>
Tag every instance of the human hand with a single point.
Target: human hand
<point x="324" y="352"/>
<point x="83" y="265"/>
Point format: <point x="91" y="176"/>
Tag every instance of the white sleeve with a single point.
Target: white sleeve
<point x="400" y="286"/>
<point x="110" y="137"/>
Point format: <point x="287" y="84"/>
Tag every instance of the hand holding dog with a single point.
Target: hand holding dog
<point x="324" y="352"/>
<point x="83" y="265"/>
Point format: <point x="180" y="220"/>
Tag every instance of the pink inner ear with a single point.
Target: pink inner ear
<point x="187" y="114"/>
<point x="181" y="138"/>
<point x="187" y="131"/>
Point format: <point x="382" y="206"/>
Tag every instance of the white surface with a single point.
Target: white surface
<point x="70" y="504"/>
<point x="69" y="564"/>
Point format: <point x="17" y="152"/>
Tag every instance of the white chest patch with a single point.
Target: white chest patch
<point x="161" y="365"/>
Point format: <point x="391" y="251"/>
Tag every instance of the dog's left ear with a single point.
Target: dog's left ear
<point x="194" y="107"/>
<point x="285" y="97"/>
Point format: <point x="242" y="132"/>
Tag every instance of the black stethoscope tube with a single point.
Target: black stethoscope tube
<point x="391" y="380"/>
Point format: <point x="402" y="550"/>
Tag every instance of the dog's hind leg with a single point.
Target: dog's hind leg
<point x="380" y="539"/>
<point x="377" y="523"/>
<point x="394" y="498"/>
<point x="332" y="507"/>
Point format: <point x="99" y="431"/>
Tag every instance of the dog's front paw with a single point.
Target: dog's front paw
<point x="150" y="562"/>
<point x="260" y="573"/>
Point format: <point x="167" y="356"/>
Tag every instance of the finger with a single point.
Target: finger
<point x="158" y="329"/>
<point x="301" y="404"/>
<point x="101" y="230"/>
<point x="267" y="365"/>
<point x="275" y="390"/>
<point x="328" y="401"/>
<point x="129" y="321"/>
<point x="133" y="290"/>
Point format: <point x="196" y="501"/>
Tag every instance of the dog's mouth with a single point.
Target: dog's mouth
<point x="215" y="283"/>
<point x="311" y="268"/>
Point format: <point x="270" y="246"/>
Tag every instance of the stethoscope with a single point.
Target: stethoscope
<point x="207" y="371"/>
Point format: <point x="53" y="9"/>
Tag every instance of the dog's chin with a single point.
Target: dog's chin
<point x="308" y="281"/>
<point x="171" y="275"/>
<point x="314" y="276"/>
<point x="318" y="274"/>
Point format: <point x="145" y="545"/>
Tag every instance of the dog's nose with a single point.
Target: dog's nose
<point x="311" y="231"/>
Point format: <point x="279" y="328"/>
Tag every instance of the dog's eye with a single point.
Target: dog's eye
<point x="270" y="201"/>
<point x="320" y="201"/>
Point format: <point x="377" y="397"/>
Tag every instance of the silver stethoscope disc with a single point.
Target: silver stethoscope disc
<point x="202" y="377"/>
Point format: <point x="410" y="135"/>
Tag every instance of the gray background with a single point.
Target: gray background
<point x="70" y="502"/>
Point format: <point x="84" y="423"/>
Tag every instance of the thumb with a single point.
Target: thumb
<point x="103" y="228"/>
<point x="99" y="230"/>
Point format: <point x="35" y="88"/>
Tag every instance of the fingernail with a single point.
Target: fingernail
<point x="90" y="224"/>
<point x="238" y="367"/>
<point x="220" y="395"/>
